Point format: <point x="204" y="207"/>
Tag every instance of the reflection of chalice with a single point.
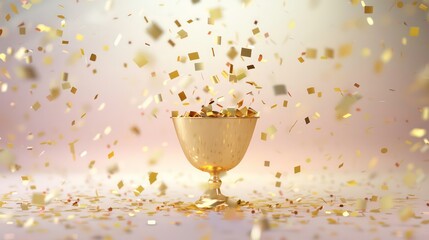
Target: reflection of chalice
<point x="214" y="145"/>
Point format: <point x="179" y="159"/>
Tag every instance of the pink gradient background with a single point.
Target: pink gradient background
<point x="388" y="109"/>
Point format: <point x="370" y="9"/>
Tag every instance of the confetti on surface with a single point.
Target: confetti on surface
<point x="111" y="155"/>
<point x="38" y="199"/>
<point x="266" y="163"/>
<point x="301" y="60"/>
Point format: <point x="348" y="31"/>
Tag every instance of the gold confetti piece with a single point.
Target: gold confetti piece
<point x="285" y="102"/>
<point x="414" y="31"/>
<point x="91" y="164"/>
<point x="65" y="85"/>
<point x="387" y="55"/>
<point x="154" y="31"/>
<point x="25" y="206"/>
<point x="418" y="132"/>
<point x="347" y="115"/>
<point x="14" y="8"/>
<point x="383" y="150"/>
<point x="311" y="53"/>
<point x="311" y="90"/>
<point x="215" y="13"/>
<point x="423" y="7"/>
<point x="329" y="52"/>
<point x="26" y="72"/>
<point x="307" y="120"/>
<point x="278" y="175"/>
<point x="93" y="57"/>
<point x="73" y="90"/>
<point x="360" y="204"/>
<point x="345" y="50"/>
<point x="280" y="89"/>
<point x="368" y="9"/>
<point x="255" y="31"/>
<point x="406" y="213"/>
<point x="36" y="106"/>
<point x="38" y="199"/>
<point x="343" y="107"/>
<point x="138" y="190"/>
<point x="182" y="34"/>
<point x="25" y="179"/>
<point x="301" y="60"/>
<point x="72" y="150"/>
<point x="246" y="52"/>
<point x="158" y="98"/>
<point x="266" y="163"/>
<point x="218" y="40"/>
<point x="113" y="169"/>
<point x="140" y="59"/>
<point x="352" y="183"/>
<point x="22" y="31"/>
<point x="79" y="37"/>
<point x="386" y="202"/>
<point x="341" y="165"/>
<point x="331" y="221"/>
<point x="232" y="53"/>
<point x="263" y="136"/>
<point x="215" y="79"/>
<point x="199" y="66"/>
<point x="174" y="113"/>
<point x="152" y="177"/>
<point x="425" y="113"/>
<point x="297" y="169"/>
<point x="278" y="184"/>
<point x="120" y="184"/>
<point x="173" y="74"/>
<point x="193" y="56"/>
<point x="182" y="96"/>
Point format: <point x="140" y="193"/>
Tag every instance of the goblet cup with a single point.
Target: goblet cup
<point x="214" y="145"/>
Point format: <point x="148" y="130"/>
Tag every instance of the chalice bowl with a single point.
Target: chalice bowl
<point x="214" y="145"/>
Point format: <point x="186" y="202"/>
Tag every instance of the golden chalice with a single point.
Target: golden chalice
<point x="214" y="145"/>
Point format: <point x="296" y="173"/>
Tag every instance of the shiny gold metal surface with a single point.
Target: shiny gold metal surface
<point x="214" y="145"/>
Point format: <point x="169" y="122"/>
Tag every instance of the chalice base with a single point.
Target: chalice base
<point x="211" y="199"/>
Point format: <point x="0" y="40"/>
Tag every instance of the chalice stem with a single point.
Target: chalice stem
<point x="214" y="185"/>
